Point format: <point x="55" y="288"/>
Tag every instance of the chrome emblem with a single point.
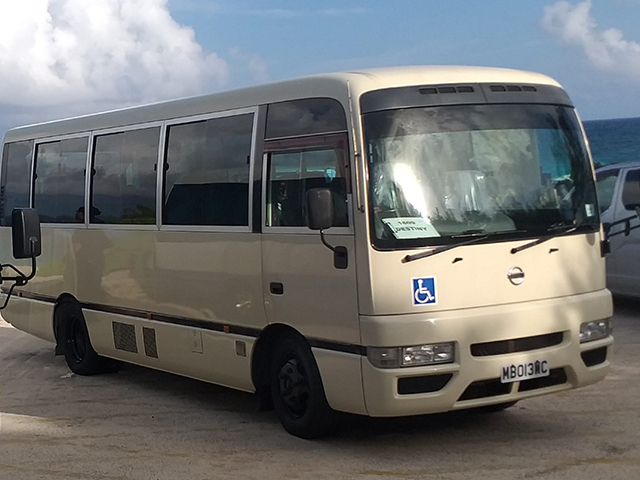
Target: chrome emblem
<point x="515" y="275"/>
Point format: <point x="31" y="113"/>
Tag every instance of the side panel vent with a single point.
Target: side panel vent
<point x="149" y="337"/>
<point x="124" y="337"/>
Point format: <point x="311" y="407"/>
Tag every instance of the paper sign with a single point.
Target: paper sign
<point x="410" y="227"/>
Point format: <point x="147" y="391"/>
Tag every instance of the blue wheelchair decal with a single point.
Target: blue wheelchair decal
<point x="424" y="290"/>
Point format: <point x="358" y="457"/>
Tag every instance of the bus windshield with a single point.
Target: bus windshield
<point x="437" y="174"/>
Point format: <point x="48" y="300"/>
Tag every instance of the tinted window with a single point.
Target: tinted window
<point x="16" y="173"/>
<point x="305" y="117"/>
<point x="631" y="190"/>
<point x="207" y="177"/>
<point x="59" y="184"/>
<point x="124" y="177"/>
<point x="292" y="174"/>
<point x="605" y="184"/>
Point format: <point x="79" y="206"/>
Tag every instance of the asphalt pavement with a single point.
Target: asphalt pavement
<point x="143" y="424"/>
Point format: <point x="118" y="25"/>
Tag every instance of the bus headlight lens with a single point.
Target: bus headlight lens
<point x="428" y="354"/>
<point x="595" y="330"/>
<point x="416" y="355"/>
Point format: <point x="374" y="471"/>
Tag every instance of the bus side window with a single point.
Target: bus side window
<point x="59" y="183"/>
<point x="16" y="183"/>
<point x="207" y="175"/>
<point x="293" y="174"/>
<point x="124" y="178"/>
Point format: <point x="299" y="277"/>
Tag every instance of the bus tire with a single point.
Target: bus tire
<point x="297" y="392"/>
<point x="81" y="358"/>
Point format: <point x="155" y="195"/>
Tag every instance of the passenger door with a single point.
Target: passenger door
<point x="303" y="288"/>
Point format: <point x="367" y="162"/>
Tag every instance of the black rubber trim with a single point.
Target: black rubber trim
<point x="195" y="323"/>
<point x="462" y="94"/>
<point x="423" y="384"/>
<point x="591" y="358"/>
<point x="485" y="388"/>
<point x="515" y="345"/>
<point x="338" y="347"/>
<point x="557" y="376"/>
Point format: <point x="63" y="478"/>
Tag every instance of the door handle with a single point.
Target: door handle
<point x="276" y="288"/>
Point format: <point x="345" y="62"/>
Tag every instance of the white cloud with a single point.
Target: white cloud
<point x="252" y="62"/>
<point x="82" y="53"/>
<point x="605" y="49"/>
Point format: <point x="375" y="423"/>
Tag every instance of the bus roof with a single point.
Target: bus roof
<point x="324" y="85"/>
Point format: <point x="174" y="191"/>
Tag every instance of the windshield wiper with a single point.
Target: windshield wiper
<point x="477" y="236"/>
<point x="557" y="231"/>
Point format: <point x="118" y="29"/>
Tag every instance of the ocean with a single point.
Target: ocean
<point x="614" y="141"/>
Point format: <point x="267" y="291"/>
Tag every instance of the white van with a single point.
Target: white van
<point x="618" y="189"/>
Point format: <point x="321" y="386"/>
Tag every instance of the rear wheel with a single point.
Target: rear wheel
<point x="297" y="391"/>
<point x="76" y="345"/>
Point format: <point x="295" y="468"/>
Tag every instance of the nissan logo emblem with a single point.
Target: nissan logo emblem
<point x="515" y="275"/>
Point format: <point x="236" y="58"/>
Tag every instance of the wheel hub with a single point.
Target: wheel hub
<point x="294" y="387"/>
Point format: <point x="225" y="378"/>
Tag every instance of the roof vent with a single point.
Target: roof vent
<point x="513" y="88"/>
<point x="446" y="89"/>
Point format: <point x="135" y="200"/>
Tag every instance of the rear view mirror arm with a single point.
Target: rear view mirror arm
<point x="340" y="258"/>
<point x="20" y="280"/>
<point x="25" y="233"/>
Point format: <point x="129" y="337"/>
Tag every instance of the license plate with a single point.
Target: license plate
<point x="516" y="372"/>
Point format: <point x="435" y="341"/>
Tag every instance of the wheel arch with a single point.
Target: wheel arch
<point x="261" y="359"/>
<point x="63" y="298"/>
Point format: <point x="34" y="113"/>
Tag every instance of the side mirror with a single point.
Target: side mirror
<point x="319" y="208"/>
<point x="320" y="217"/>
<point x="25" y="233"/>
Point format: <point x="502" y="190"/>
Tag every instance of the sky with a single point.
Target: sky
<point x="61" y="58"/>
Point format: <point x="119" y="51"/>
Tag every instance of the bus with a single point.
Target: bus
<point x="385" y="242"/>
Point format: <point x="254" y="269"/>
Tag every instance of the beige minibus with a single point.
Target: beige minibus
<point x="386" y="242"/>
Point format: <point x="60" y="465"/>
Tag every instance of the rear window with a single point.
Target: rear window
<point x="605" y="184"/>
<point x="631" y="190"/>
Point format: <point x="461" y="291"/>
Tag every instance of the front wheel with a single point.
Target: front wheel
<point x="297" y="392"/>
<point x="76" y="345"/>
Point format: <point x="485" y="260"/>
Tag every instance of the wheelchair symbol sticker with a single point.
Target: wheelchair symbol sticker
<point x="424" y="291"/>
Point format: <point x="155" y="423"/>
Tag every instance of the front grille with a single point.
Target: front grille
<point x="594" y="357"/>
<point x="485" y="388"/>
<point x="515" y="345"/>
<point x="557" y="376"/>
<point x="424" y="384"/>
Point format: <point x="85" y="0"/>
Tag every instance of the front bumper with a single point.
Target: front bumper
<point x="474" y="378"/>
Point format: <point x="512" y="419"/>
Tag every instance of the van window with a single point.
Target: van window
<point x="308" y="116"/>
<point x="59" y="182"/>
<point x="631" y="190"/>
<point x="16" y="174"/>
<point x="605" y="185"/>
<point x="207" y="172"/>
<point x="293" y="173"/>
<point x="124" y="177"/>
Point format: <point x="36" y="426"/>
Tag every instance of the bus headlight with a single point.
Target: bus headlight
<point x="595" y="330"/>
<point x="394" y="357"/>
